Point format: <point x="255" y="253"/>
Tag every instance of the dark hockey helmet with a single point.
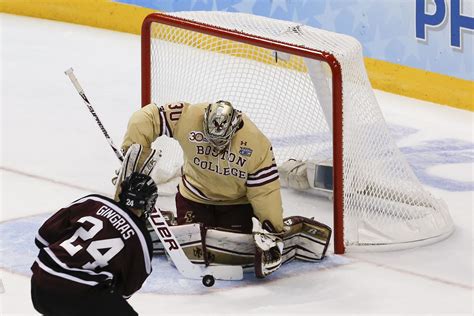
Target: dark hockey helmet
<point x="139" y="191"/>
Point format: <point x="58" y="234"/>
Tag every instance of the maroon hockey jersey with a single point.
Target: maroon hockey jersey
<point x="92" y="242"/>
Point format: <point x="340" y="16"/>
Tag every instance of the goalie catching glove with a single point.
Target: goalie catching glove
<point x="268" y="250"/>
<point x="137" y="159"/>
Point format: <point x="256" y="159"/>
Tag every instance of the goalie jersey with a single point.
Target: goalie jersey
<point x="244" y="173"/>
<point x="93" y="242"/>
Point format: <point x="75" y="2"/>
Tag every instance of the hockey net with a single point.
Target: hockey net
<point x="308" y="91"/>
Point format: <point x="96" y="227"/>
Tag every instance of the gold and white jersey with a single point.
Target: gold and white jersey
<point x="246" y="172"/>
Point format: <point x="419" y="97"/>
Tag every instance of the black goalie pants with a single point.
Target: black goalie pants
<point x="97" y="301"/>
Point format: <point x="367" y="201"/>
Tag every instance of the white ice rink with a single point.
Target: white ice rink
<point x="52" y="152"/>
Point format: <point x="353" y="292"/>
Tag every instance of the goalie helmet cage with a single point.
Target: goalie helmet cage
<point x="308" y="91"/>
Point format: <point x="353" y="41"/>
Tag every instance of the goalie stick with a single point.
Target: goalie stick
<point x="185" y="267"/>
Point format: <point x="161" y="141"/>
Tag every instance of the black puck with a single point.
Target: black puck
<point x="208" y="280"/>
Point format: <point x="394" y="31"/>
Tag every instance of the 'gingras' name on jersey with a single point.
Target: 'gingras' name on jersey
<point x="117" y="221"/>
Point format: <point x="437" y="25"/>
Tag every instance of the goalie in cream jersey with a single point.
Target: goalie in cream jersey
<point x="229" y="174"/>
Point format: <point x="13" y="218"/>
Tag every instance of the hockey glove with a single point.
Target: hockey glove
<point x="137" y="159"/>
<point x="268" y="250"/>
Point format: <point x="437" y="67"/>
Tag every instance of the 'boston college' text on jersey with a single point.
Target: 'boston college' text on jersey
<point x="245" y="172"/>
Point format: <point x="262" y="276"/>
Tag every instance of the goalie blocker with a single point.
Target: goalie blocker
<point x="268" y="248"/>
<point x="303" y="239"/>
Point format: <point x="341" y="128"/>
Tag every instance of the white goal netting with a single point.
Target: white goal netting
<point x="290" y="99"/>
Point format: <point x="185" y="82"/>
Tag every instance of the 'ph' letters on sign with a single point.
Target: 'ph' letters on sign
<point x="434" y="19"/>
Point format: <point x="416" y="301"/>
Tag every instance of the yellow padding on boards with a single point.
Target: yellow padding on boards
<point x="97" y="13"/>
<point x="219" y="45"/>
<point x="394" y="78"/>
<point x="421" y="84"/>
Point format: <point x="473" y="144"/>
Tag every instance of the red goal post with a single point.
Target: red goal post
<point x="274" y="45"/>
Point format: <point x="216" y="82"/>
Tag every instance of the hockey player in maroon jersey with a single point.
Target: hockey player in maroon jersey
<point x="95" y="253"/>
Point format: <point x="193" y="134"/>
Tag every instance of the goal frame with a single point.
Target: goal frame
<point x="329" y="59"/>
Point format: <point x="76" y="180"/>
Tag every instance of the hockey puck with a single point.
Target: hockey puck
<point x="208" y="280"/>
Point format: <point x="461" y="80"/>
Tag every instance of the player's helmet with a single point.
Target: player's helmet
<point x="221" y="121"/>
<point x="139" y="191"/>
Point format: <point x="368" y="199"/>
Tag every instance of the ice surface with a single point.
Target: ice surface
<point x="52" y="152"/>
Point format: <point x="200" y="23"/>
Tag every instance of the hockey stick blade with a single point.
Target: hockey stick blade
<point x="181" y="261"/>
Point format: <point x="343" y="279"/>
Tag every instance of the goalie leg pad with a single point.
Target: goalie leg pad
<point x="305" y="239"/>
<point x="221" y="247"/>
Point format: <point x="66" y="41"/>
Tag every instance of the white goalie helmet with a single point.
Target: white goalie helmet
<point x="221" y="121"/>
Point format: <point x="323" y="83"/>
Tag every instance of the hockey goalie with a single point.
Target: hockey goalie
<point x="228" y="205"/>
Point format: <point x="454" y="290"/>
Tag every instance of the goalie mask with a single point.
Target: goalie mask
<point x="139" y="191"/>
<point x="221" y="121"/>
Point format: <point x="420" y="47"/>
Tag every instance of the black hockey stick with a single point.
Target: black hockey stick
<point x="70" y="74"/>
<point x="173" y="248"/>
